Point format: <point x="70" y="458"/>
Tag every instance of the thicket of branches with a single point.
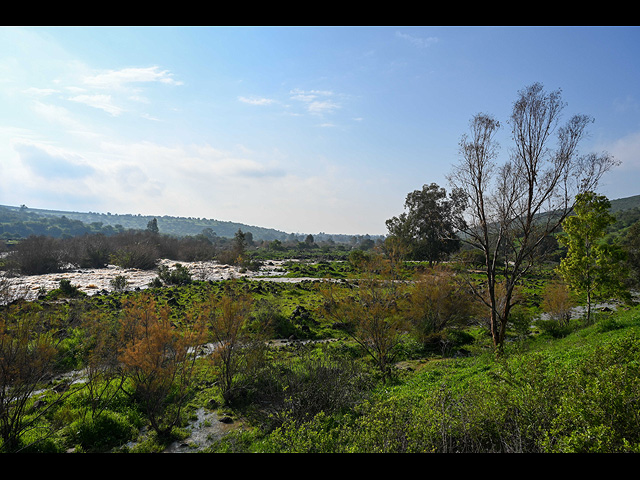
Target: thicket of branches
<point x="130" y="249"/>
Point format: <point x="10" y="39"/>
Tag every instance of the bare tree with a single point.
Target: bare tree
<point x="158" y="359"/>
<point x="28" y="352"/>
<point x="226" y="318"/>
<point x="514" y="206"/>
<point x="371" y="315"/>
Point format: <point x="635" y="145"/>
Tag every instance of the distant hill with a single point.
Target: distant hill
<point x="626" y="211"/>
<point x="20" y="222"/>
<point x="628" y="203"/>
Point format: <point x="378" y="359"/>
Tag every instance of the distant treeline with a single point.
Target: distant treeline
<point x="39" y="254"/>
<point x="142" y="249"/>
<point x="21" y="222"/>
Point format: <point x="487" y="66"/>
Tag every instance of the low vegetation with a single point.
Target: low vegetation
<point x="521" y="334"/>
<point x="378" y="360"/>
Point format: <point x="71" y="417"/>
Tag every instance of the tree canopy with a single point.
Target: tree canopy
<point x="591" y="267"/>
<point x="428" y="228"/>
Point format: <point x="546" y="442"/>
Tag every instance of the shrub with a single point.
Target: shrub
<point x="88" y="251"/>
<point x="179" y="275"/>
<point x="68" y="289"/>
<point x="101" y="433"/>
<point x="37" y="255"/>
<point x="446" y="341"/>
<point x="135" y="256"/>
<point x="119" y="283"/>
<point x="554" y="328"/>
<point x="298" y="390"/>
<point x="599" y="407"/>
<point x="65" y="290"/>
<point x="521" y="320"/>
<point x="435" y="302"/>
<point x="558" y="302"/>
<point x="268" y="317"/>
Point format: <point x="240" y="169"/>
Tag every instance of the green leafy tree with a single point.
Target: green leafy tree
<point x="152" y="226"/>
<point x="428" y="227"/>
<point x="631" y="245"/>
<point x="239" y="246"/>
<point x="592" y="267"/>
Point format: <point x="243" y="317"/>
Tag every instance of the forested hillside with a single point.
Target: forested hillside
<point x="20" y="222"/>
<point x="626" y="211"/>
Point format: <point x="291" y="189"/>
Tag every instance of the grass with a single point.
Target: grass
<point x="572" y="393"/>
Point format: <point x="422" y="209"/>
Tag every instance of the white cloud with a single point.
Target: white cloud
<point x="118" y="78"/>
<point x="420" y="42"/>
<point x="316" y="101"/>
<point x="627" y="151"/>
<point x="55" y="114"/>
<point x="319" y="107"/>
<point x="256" y="101"/>
<point x="621" y="181"/>
<point x="40" y="92"/>
<point x="102" y="102"/>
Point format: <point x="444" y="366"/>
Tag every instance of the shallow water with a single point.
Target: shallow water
<point x="98" y="280"/>
<point x="205" y="430"/>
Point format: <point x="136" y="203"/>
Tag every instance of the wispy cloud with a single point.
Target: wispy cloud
<point x="256" y="100"/>
<point x="316" y="101"/>
<point x="420" y="42"/>
<point x="112" y="91"/>
<point x="55" y="114"/>
<point x="102" y="102"/>
<point x="39" y="92"/>
<point x="118" y="78"/>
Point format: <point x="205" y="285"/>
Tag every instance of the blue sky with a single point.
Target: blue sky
<point x="303" y="129"/>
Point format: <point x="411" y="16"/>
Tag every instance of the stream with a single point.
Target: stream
<point x="207" y="426"/>
<point x="98" y="280"/>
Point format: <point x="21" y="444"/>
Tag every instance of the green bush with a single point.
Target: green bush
<point x="179" y="275"/>
<point x="102" y="433"/>
<point x="531" y="403"/>
<point x="447" y="341"/>
<point x="268" y="317"/>
<point x="555" y="328"/>
<point x="316" y="381"/>
<point x="598" y="412"/>
<point x="65" y="290"/>
<point x="119" y="283"/>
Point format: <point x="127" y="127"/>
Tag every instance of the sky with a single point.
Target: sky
<point x="301" y="129"/>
